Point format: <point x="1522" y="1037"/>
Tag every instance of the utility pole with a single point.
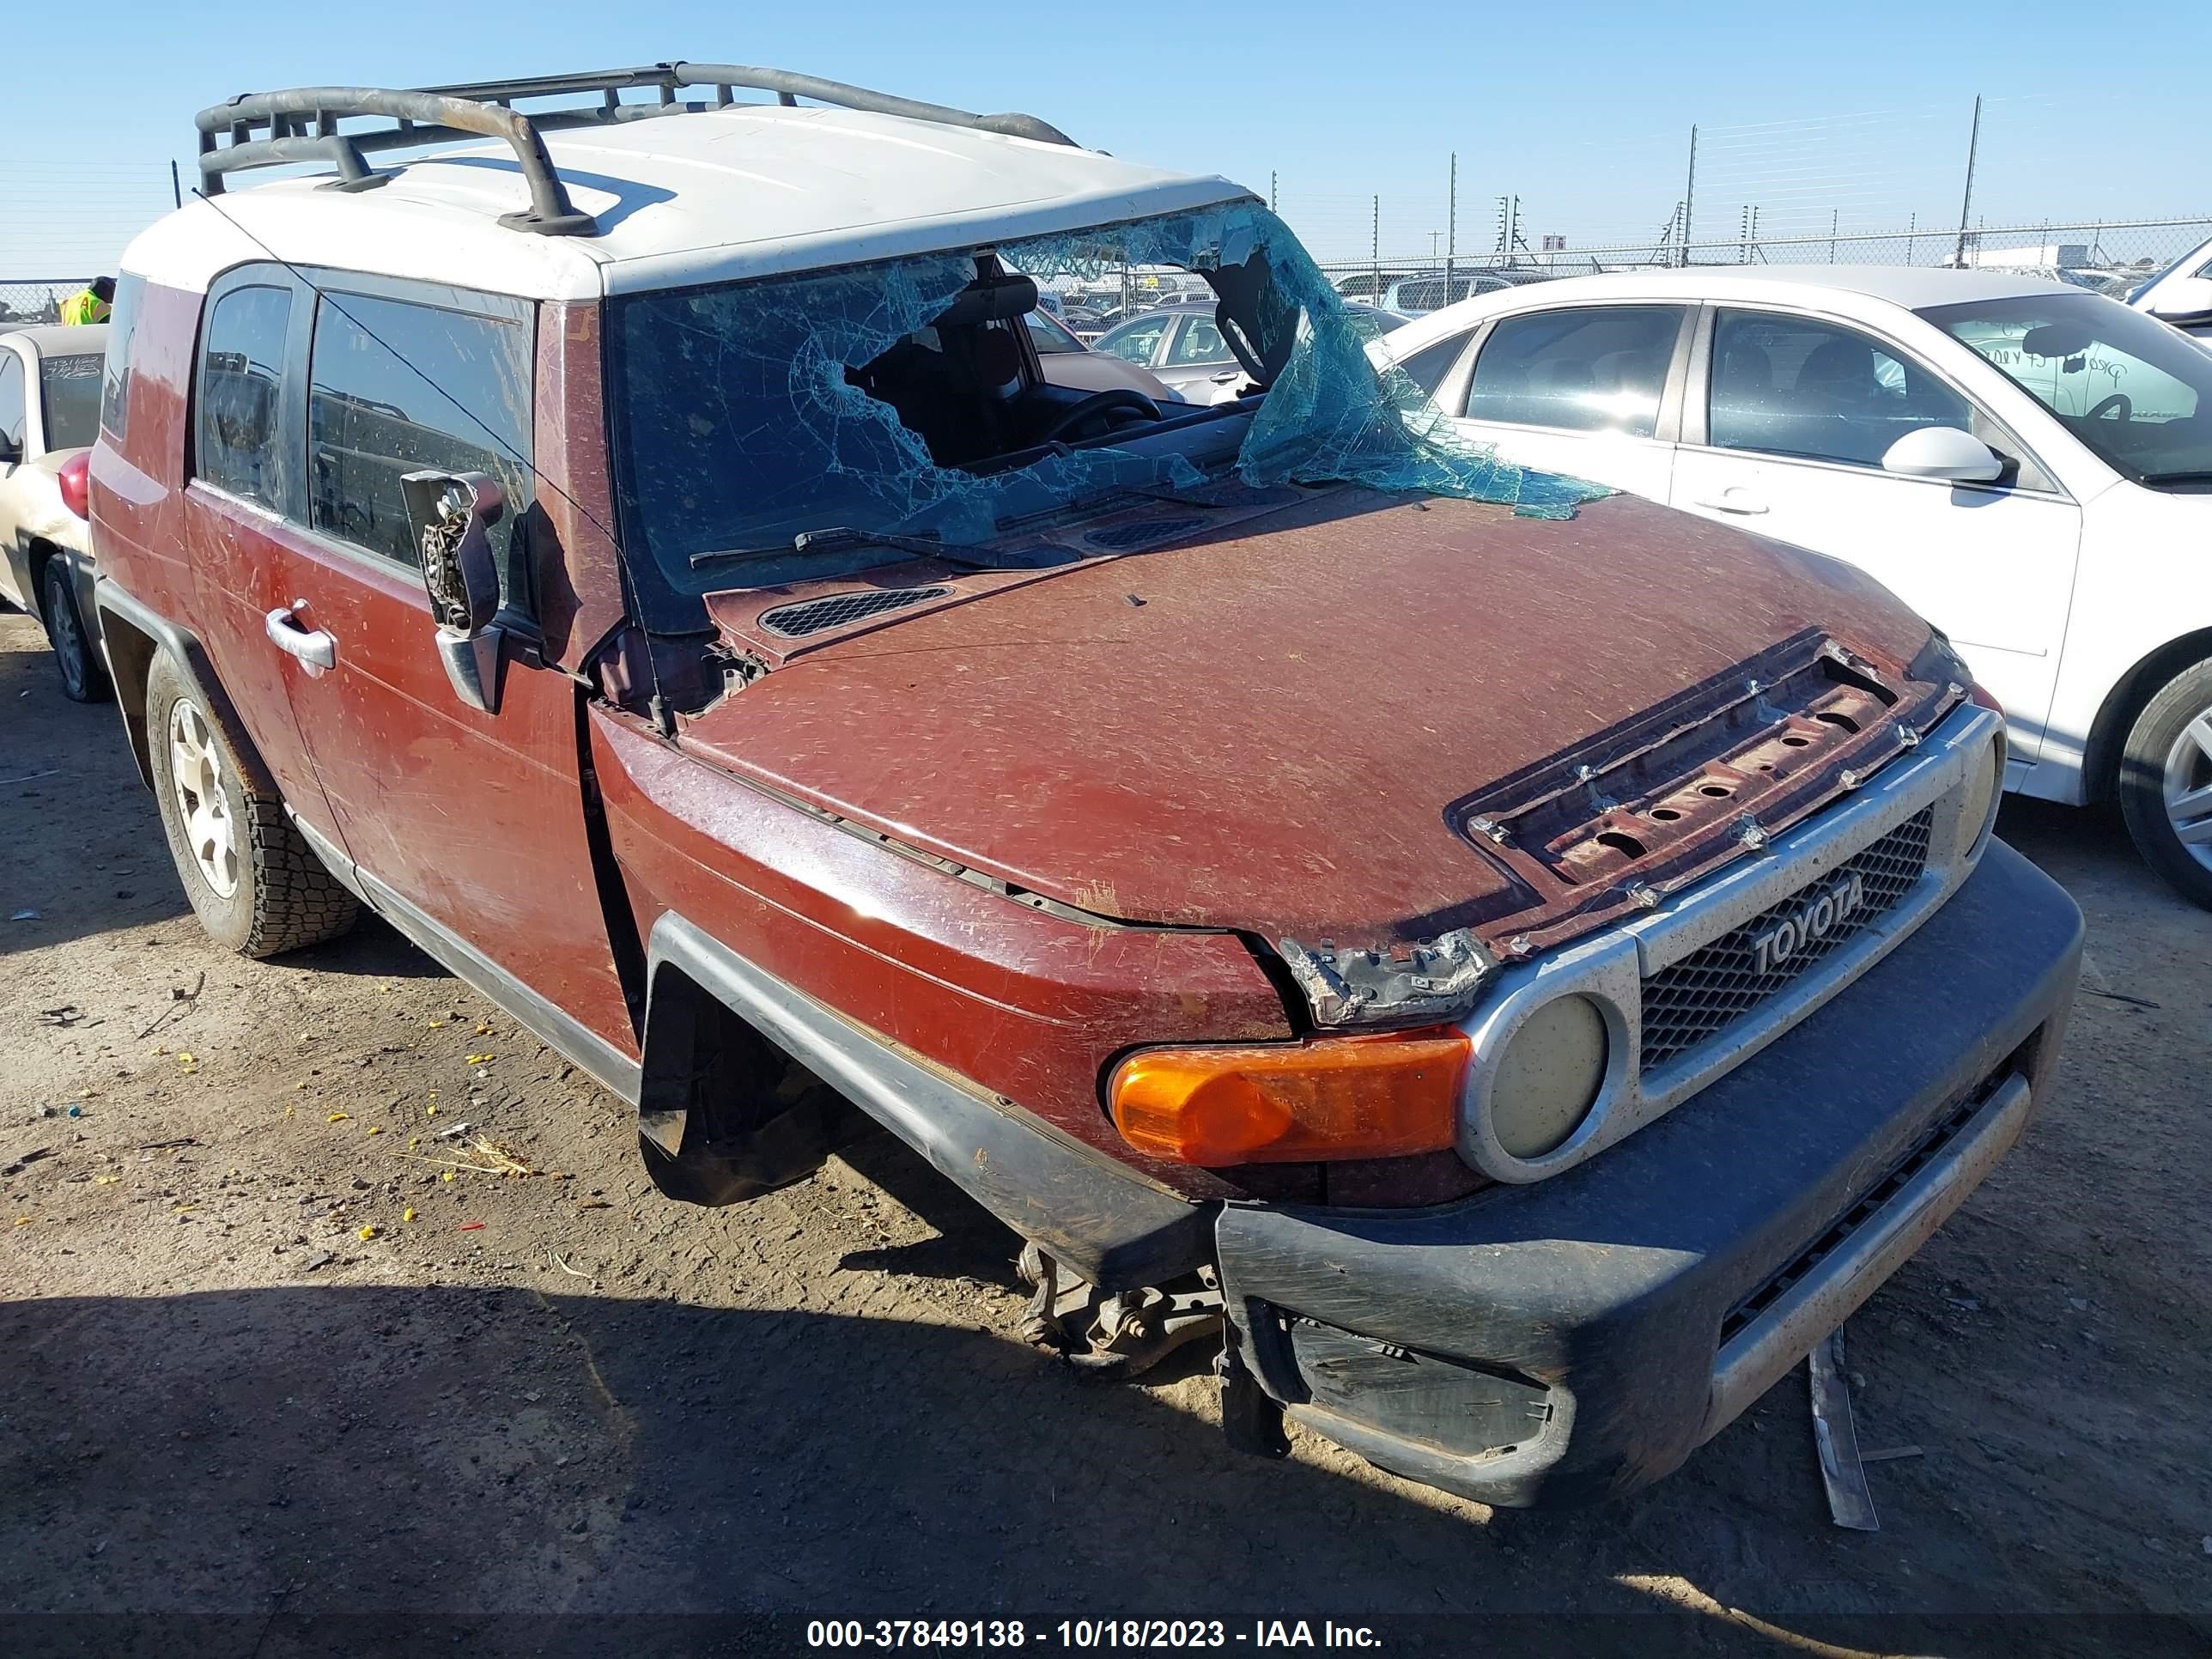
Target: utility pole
<point x="1833" y="215"/>
<point x="1689" y="196"/>
<point x="1434" y="236"/>
<point x="1912" y="235"/>
<point x="1375" y="252"/>
<point x="1270" y="190"/>
<point x="1967" y="207"/>
<point x="176" y="186"/>
<point x="1451" y="224"/>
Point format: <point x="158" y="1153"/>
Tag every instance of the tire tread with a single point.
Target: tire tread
<point x="292" y="900"/>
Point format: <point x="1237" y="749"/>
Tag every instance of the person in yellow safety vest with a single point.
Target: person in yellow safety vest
<point x="92" y="304"/>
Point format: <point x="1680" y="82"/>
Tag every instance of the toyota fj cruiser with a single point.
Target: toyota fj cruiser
<point x="1518" y="966"/>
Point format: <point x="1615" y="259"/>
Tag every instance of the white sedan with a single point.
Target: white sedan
<point x="2028" y="464"/>
<point x="2181" y="294"/>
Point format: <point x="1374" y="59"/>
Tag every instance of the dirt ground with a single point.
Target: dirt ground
<point x="278" y="1352"/>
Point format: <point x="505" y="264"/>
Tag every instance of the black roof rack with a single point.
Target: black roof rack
<point x="303" y="123"/>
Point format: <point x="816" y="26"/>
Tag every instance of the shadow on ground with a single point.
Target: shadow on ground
<point x="541" y="1472"/>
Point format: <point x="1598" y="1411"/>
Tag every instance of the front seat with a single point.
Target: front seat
<point x="1840" y="373"/>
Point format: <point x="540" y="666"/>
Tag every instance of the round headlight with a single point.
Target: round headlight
<point x="1549" y="1076"/>
<point x="1977" y="801"/>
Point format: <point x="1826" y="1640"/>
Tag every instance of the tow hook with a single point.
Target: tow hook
<point x="1108" y="1337"/>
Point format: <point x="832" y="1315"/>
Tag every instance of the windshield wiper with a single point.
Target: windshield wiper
<point x="2203" y="474"/>
<point x="835" y="537"/>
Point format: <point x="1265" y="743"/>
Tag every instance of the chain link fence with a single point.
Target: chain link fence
<point x="31" y="300"/>
<point x="2107" y="256"/>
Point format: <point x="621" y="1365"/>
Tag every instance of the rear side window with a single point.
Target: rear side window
<point x="241" y="395"/>
<point x="122" y="325"/>
<point x="1596" y="370"/>
<point x="1138" y="342"/>
<point x="69" y="388"/>
<point x="396" y="387"/>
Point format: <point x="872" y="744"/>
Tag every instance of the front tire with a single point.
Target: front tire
<point x="256" y="885"/>
<point x="2166" y="783"/>
<point x="83" y="678"/>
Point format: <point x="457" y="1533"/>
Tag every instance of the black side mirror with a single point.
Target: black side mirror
<point x="451" y="514"/>
<point x="11" y="452"/>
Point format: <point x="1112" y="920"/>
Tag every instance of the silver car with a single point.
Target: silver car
<point x="1183" y="346"/>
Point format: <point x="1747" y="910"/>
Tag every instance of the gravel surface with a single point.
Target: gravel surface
<point x="287" y="1336"/>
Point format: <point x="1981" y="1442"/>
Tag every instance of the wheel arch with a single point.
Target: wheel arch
<point x="1113" y="1226"/>
<point x="132" y="635"/>
<point x="2130" y="694"/>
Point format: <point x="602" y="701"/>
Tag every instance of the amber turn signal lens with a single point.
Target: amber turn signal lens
<point x="1331" y="1098"/>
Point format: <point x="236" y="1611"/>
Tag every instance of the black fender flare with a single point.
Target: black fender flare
<point x="1105" y="1221"/>
<point x="131" y="633"/>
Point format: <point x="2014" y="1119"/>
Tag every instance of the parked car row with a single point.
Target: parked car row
<point x="2027" y="464"/>
<point x="1183" y="346"/>
<point x="1509" y="966"/>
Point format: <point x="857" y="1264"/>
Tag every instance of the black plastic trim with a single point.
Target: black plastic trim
<point x="1104" y="1221"/>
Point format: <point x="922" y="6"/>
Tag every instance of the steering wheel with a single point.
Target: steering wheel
<point x="2118" y="400"/>
<point x="1118" y="398"/>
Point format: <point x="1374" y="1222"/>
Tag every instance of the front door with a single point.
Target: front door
<point x="469" y="827"/>
<point x="1797" y="418"/>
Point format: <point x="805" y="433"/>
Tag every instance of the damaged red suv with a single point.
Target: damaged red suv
<point x="1512" y="967"/>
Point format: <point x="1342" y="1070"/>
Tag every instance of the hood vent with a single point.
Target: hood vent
<point x="1127" y="537"/>
<point x="795" y="622"/>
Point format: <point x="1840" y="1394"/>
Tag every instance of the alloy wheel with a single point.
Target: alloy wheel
<point x="2188" y="789"/>
<point x="196" y="778"/>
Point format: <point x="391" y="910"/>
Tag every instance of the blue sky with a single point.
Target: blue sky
<point x="1583" y="112"/>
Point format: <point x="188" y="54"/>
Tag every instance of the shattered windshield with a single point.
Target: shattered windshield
<point x="905" y="397"/>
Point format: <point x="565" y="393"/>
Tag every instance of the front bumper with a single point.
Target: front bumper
<point x="1578" y="1337"/>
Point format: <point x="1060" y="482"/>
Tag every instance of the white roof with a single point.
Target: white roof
<point x="53" y="340"/>
<point x="748" y="190"/>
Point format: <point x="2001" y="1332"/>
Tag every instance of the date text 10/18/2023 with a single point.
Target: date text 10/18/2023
<point x="1084" y="1634"/>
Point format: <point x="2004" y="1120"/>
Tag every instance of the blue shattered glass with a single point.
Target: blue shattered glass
<point x="740" y="425"/>
<point x="1330" y="413"/>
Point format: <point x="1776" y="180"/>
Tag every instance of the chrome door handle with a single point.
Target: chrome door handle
<point x="317" y="649"/>
<point x="1736" y="501"/>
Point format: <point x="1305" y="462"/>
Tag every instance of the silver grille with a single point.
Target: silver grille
<point x="814" y="616"/>
<point x="1123" y="538"/>
<point x="1705" y="993"/>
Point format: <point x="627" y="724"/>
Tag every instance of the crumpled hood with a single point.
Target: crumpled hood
<point x="1290" y="726"/>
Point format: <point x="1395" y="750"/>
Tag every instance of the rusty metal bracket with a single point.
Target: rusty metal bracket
<point x="1835" y="1437"/>
<point x="1435" y="979"/>
<point x="1110" y="1338"/>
